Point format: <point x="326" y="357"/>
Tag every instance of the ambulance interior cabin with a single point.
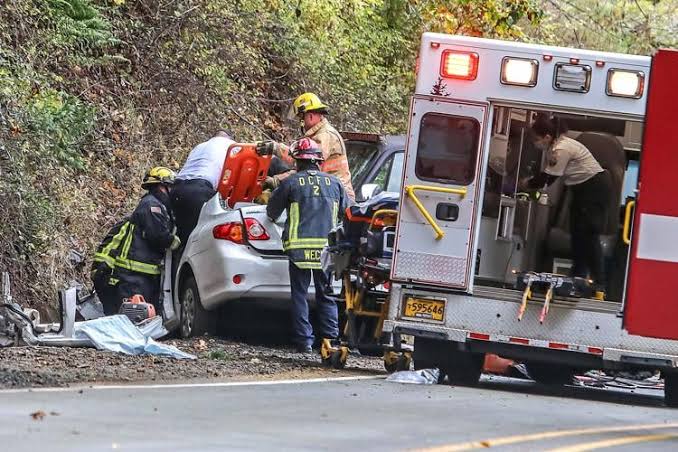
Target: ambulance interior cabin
<point x="521" y="233"/>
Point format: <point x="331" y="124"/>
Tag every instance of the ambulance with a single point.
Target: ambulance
<point x="481" y="265"/>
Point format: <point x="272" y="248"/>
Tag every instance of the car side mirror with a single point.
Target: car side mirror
<point x="367" y="191"/>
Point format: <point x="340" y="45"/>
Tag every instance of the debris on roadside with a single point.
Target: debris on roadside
<point x="621" y="380"/>
<point x="114" y="333"/>
<point x="38" y="415"/>
<point x="34" y="354"/>
<point x="418" y="377"/>
<point x="24" y="367"/>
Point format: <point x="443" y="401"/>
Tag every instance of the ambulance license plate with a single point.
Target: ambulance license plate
<point x="422" y="308"/>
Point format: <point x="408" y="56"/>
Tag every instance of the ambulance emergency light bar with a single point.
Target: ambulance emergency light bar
<point x="572" y="76"/>
<point x="519" y="71"/>
<point x="621" y="83"/>
<point x="459" y="65"/>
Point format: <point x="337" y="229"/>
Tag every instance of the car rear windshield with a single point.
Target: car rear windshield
<point x="359" y="156"/>
<point x="447" y="149"/>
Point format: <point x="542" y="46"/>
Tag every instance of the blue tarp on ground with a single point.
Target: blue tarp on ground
<point x="118" y="334"/>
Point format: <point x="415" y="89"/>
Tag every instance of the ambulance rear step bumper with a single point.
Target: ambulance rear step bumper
<point x="585" y="332"/>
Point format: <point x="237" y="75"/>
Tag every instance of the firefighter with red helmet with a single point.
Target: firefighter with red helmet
<point x="314" y="202"/>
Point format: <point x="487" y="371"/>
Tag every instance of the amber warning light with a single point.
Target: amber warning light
<point x="459" y="65"/>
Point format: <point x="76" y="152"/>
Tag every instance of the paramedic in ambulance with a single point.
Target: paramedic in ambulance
<point x="198" y="181"/>
<point x="590" y="186"/>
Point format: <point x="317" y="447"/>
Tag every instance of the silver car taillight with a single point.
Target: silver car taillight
<point x="255" y="230"/>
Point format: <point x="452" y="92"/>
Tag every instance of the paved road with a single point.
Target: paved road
<point x="338" y="415"/>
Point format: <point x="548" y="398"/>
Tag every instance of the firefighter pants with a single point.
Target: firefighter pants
<point x="326" y="306"/>
<point x="188" y="197"/>
<point x="588" y="217"/>
<point x="106" y="292"/>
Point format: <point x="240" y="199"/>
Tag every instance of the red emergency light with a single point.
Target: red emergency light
<point x="459" y="65"/>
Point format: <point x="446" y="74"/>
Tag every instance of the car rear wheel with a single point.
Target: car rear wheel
<point x="195" y="320"/>
<point x="464" y="368"/>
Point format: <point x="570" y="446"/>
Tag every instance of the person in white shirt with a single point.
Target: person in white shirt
<point x="590" y="185"/>
<point x="197" y="182"/>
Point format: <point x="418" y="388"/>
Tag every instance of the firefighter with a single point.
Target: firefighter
<point x="590" y="186"/>
<point x="312" y="113"/>
<point x="198" y="181"/>
<point x="127" y="262"/>
<point x="314" y="201"/>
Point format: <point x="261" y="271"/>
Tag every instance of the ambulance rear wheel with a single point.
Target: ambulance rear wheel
<point x="195" y="320"/>
<point x="427" y="355"/>
<point x="464" y="368"/>
<point x="671" y="389"/>
<point x="549" y="373"/>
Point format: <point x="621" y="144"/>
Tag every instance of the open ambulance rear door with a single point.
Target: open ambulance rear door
<point x="441" y="184"/>
<point x="651" y="306"/>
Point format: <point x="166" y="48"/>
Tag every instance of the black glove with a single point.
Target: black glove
<point x="266" y="147"/>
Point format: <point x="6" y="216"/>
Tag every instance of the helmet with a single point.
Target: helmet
<point x="158" y="175"/>
<point x="305" y="103"/>
<point x="306" y="149"/>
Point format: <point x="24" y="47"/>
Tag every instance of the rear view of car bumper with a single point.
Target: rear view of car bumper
<point x="227" y="271"/>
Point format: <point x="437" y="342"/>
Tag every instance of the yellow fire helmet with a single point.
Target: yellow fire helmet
<point x="158" y="175"/>
<point x="305" y="103"/>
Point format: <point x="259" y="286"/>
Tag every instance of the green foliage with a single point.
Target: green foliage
<point x="77" y="24"/>
<point x="60" y="124"/>
<point x="218" y="354"/>
<point x="638" y="27"/>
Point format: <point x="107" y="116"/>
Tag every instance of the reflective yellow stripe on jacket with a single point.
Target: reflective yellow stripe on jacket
<point x="308" y="265"/>
<point x="105" y="254"/>
<point x="140" y="267"/>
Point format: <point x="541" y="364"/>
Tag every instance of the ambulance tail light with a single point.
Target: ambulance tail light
<point x="621" y="83"/>
<point x="519" y="71"/>
<point x="459" y="65"/>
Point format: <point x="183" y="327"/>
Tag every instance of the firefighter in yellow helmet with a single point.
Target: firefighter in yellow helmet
<point x="127" y="262"/>
<point x="312" y="113"/>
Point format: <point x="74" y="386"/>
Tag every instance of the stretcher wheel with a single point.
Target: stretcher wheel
<point x="390" y="361"/>
<point x="404" y="362"/>
<point x="338" y="359"/>
<point x="396" y="363"/>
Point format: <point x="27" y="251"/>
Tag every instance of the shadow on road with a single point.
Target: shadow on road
<point x="256" y="322"/>
<point x="637" y="397"/>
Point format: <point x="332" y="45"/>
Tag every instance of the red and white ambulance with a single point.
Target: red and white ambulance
<point x="467" y="236"/>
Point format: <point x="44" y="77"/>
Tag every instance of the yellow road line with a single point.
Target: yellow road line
<point x="507" y="440"/>
<point x="583" y="447"/>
